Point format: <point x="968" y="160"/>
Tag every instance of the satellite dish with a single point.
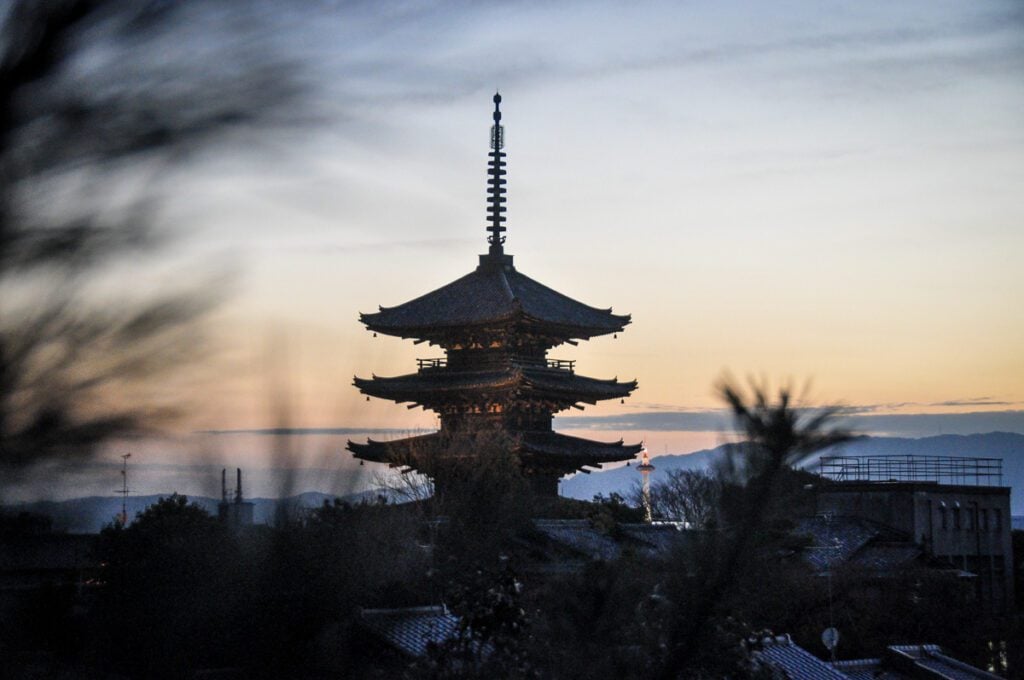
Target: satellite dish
<point x="830" y="638"/>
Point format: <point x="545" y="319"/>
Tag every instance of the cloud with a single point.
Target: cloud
<point x="305" y="431"/>
<point x="976" y="401"/>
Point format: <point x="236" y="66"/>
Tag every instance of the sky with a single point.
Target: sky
<point x="820" y="194"/>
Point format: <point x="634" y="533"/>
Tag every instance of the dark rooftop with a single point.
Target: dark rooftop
<point x="573" y="450"/>
<point x="411" y="630"/>
<point x="906" y="662"/>
<point x="494" y="295"/>
<point x="793" y="660"/>
<point x="560" y="385"/>
<point x="851" y="540"/>
<point x="900" y="662"/>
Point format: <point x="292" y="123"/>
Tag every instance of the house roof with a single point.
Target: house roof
<point x="912" y="662"/>
<point x="934" y="663"/>
<point x="900" y="662"/>
<point x="793" y="660"/>
<point x="411" y="630"/>
<point x="493" y="294"/>
<point x="853" y="540"/>
<point x="581" y="537"/>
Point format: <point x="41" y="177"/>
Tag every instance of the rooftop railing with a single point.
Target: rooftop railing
<point x="938" y="469"/>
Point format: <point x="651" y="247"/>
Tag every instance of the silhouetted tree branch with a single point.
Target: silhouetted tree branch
<point x="97" y="96"/>
<point x="777" y="436"/>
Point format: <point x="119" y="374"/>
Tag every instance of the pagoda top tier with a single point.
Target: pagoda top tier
<point x="495" y="295"/>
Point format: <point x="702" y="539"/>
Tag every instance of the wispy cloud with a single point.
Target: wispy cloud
<point x="305" y="431"/>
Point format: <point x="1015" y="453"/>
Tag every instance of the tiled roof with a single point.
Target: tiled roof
<point x="574" y="451"/>
<point x="793" y="660"/>
<point x="866" y="669"/>
<point x="852" y="540"/>
<point x="835" y="540"/>
<point x="580" y="536"/>
<point x="492" y="295"/>
<point x="901" y="662"/>
<point x="887" y="556"/>
<point x="556" y="384"/>
<point x="413" y="629"/>
<point x="931" y="660"/>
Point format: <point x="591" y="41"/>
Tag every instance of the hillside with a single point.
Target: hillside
<point x="1003" y="445"/>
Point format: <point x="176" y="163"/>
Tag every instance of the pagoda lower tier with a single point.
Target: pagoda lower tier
<point x="545" y="456"/>
<point x="517" y="399"/>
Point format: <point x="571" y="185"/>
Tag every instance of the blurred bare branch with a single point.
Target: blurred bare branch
<point x="98" y="101"/>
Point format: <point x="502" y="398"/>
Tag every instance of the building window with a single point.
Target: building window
<point x="956" y="518"/>
<point x="943" y="517"/>
<point x="983" y="524"/>
<point x="971" y="525"/>
<point x="997" y="519"/>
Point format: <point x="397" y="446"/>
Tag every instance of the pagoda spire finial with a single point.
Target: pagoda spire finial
<point x="496" y="184"/>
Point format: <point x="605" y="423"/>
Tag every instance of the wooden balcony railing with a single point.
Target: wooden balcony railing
<point x="562" y="364"/>
<point x="553" y="364"/>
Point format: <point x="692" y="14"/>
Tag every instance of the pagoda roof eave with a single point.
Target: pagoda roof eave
<point x="493" y="296"/>
<point x="546" y="448"/>
<point x="420" y="387"/>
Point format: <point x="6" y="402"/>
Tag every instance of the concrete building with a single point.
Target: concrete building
<point x="953" y="508"/>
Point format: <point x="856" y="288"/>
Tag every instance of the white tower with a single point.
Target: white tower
<point x="646" y="469"/>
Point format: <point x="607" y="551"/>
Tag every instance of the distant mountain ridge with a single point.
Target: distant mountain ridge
<point x="90" y="514"/>
<point x="1007" y="446"/>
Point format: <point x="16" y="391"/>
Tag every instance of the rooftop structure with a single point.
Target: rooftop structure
<point x="963" y="524"/>
<point x="496" y="326"/>
<point x="938" y="469"/>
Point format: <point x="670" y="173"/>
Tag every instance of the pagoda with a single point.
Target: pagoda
<point x="496" y="326"/>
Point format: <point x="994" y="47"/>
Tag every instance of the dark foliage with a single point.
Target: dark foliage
<point x="98" y="96"/>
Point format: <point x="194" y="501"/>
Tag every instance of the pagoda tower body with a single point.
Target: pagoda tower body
<point x="496" y="327"/>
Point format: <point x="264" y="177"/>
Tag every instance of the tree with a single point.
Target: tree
<point x="99" y="100"/>
<point x="776" y="436"/>
<point x="690" y="496"/>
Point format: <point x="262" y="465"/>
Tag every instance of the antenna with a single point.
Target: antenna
<point x="124" y="488"/>
<point x="238" y="486"/>
<point x="224" y="485"/>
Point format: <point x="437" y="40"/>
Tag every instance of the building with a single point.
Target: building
<point x="234" y="510"/>
<point x="954" y="509"/>
<point x="898" y="662"/>
<point x="496" y="327"/>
